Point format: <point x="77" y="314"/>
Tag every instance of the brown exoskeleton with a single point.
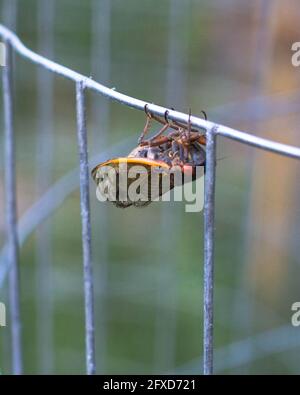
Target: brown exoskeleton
<point x="182" y="148"/>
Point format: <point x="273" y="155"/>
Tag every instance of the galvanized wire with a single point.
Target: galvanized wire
<point x="212" y="131"/>
<point x="9" y="16"/>
<point x="209" y="228"/>
<point x="246" y="138"/>
<point x="86" y="228"/>
<point x="11" y="214"/>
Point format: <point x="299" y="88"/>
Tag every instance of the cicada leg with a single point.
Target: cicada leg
<point x="146" y="127"/>
<point x="159" y="133"/>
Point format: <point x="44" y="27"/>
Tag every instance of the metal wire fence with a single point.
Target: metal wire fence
<point x="82" y="84"/>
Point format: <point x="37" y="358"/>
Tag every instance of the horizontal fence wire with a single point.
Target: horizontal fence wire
<point x="212" y="130"/>
<point x="246" y="138"/>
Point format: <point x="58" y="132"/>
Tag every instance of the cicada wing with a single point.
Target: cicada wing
<point x="132" y="184"/>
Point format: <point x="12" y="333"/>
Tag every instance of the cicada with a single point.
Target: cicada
<point x="167" y="158"/>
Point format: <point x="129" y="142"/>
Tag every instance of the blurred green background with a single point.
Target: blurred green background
<point x="231" y="58"/>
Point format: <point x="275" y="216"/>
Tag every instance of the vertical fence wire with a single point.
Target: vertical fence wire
<point x="44" y="161"/>
<point x="9" y="12"/>
<point x="85" y="215"/>
<point x="101" y="65"/>
<point x="11" y="214"/>
<point x="209" y="239"/>
<point x="86" y="228"/>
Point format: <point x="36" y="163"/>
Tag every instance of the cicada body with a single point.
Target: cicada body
<point x="151" y="169"/>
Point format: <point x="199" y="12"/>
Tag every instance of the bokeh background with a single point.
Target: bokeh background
<point x="231" y="58"/>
